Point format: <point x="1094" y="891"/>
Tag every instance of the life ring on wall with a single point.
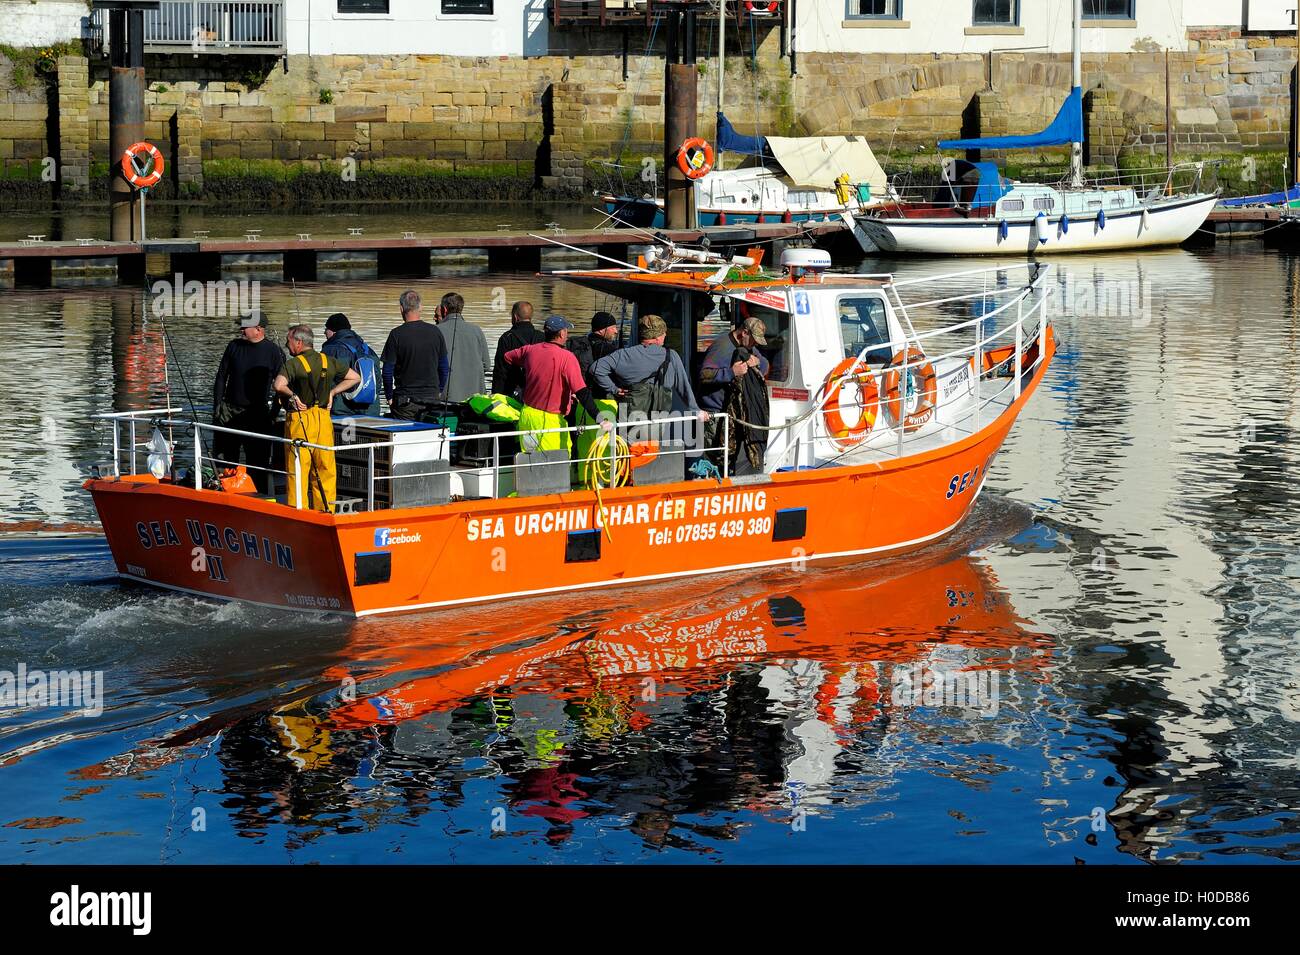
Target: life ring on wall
<point x="751" y="6"/>
<point x="850" y="372"/>
<point x="695" y="158"/>
<point x="136" y="160"/>
<point x="897" y="392"/>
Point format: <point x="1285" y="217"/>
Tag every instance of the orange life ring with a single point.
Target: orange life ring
<point x="850" y="371"/>
<point x="759" y="7"/>
<point x="896" y="392"/>
<point x="695" y="158"/>
<point x="133" y="170"/>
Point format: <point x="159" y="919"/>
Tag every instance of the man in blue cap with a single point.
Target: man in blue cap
<point x="552" y="382"/>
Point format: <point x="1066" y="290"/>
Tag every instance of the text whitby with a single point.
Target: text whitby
<point x="633" y="513"/>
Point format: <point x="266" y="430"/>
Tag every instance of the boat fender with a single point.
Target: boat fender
<point x="1146" y="219"/>
<point x="850" y="372"/>
<point x="722" y="218"/>
<point x="787" y="217"/>
<point x="1065" y="224"/>
<point x="1101" y="219"/>
<point x="1003" y="230"/>
<point x="1040" y="227"/>
<point x="921" y="382"/>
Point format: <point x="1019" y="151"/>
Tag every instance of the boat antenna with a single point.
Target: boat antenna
<point x="575" y="248"/>
<point x="169" y="346"/>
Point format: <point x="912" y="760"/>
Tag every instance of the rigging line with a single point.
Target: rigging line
<point x="649" y="47"/>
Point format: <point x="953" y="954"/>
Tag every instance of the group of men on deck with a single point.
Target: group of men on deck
<point x="560" y="381"/>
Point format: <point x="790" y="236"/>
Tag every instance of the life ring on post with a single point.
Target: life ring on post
<point x="137" y="159"/>
<point x="850" y="372"/>
<point x="898" y="392"/>
<point x="759" y="7"/>
<point x="695" y="158"/>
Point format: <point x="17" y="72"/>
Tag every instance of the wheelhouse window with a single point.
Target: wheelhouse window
<point x="876" y="9"/>
<point x="863" y="325"/>
<point x="1044" y="203"/>
<point x="1013" y="205"/>
<point x="996" y="13"/>
<point x="467" y="8"/>
<point x="363" y="6"/>
<point x="1108" y="9"/>
<point x="776" y="325"/>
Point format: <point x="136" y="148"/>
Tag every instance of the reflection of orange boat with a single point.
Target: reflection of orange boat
<point x="865" y="633"/>
<point x="852" y="467"/>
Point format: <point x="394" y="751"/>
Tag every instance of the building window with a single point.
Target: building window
<point x="363" y="6"/>
<point x="877" y="9"/>
<point x="1108" y="9"/>
<point x="467" y="8"/>
<point x="996" y="13"/>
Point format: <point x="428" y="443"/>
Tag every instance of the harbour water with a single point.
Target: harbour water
<point x="1099" y="667"/>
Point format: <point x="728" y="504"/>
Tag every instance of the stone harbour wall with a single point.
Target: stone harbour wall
<point x="552" y="121"/>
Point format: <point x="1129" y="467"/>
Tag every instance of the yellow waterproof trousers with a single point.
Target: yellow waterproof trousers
<point x="533" y="419"/>
<point x="314" y="466"/>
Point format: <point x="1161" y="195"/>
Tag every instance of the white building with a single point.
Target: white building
<point x="521" y="27"/>
<point x="981" y="26"/>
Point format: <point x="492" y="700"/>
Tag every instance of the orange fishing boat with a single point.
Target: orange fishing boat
<point x="888" y="402"/>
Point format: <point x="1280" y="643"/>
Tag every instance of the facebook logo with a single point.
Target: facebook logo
<point x="381" y="536"/>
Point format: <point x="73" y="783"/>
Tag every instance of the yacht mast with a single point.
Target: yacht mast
<point x="1076" y="149"/>
<point x="722" y="69"/>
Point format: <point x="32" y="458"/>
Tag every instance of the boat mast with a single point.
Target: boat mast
<point x="722" y="68"/>
<point x="1076" y="148"/>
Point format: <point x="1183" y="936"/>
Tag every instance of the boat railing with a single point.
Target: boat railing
<point x="1024" y="319"/>
<point x="670" y="435"/>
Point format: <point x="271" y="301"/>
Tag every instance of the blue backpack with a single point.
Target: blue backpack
<point x="366" y="365"/>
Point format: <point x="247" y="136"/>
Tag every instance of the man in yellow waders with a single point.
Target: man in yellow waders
<point x="309" y="381"/>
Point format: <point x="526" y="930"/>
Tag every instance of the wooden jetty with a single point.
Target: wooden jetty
<point x="37" y="263"/>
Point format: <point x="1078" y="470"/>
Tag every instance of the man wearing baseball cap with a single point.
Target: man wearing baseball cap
<point x="241" y="398"/>
<point x="552" y="382"/>
<point x="721" y="369"/>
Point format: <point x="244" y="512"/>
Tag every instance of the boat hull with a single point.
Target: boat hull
<point x="400" y="560"/>
<point x="1169" y="224"/>
<point x="647" y="214"/>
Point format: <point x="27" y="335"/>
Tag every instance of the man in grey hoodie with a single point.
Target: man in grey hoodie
<point x="467" y="350"/>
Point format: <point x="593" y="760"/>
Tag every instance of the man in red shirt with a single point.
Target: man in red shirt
<point x="552" y="380"/>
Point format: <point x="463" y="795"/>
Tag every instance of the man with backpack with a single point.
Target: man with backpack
<point x="350" y="350"/>
<point x="648" y="379"/>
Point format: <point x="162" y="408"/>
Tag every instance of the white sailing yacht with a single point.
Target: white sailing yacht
<point x="981" y="212"/>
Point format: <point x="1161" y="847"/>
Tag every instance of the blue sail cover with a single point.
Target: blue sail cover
<point x="1066" y="128"/>
<point x="733" y="142"/>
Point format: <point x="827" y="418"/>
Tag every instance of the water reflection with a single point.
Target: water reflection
<point x="1141" y="628"/>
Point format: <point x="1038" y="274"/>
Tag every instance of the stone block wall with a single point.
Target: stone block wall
<point x="554" y="118"/>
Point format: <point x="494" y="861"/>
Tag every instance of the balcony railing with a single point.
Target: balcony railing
<point x="633" y="12"/>
<point x="206" y="26"/>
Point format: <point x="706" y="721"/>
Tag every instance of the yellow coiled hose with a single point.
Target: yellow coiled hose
<point x="602" y="472"/>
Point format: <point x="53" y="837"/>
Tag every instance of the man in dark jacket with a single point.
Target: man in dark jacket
<point x="241" y="398"/>
<point x="416" y="369"/>
<point x="595" y="345"/>
<point x="342" y="343"/>
<point x="509" y="379"/>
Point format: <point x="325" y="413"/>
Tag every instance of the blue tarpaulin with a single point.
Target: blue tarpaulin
<point x="991" y="186"/>
<point x="733" y="142"/>
<point x="1067" y="127"/>
<point x="1267" y="199"/>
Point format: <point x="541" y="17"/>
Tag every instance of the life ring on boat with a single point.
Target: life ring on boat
<point x="757" y="6"/>
<point x="897" y="391"/>
<point x="136" y="159"/>
<point x="850" y="372"/>
<point x="695" y="158"/>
